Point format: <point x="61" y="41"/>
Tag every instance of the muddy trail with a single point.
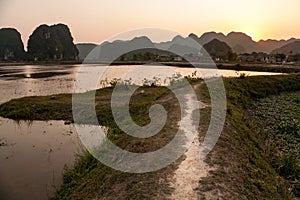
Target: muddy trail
<point x="185" y="179"/>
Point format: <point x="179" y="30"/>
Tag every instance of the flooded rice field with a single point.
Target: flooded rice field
<point x="33" y="154"/>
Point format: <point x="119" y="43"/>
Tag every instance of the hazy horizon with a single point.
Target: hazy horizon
<point x="96" y="21"/>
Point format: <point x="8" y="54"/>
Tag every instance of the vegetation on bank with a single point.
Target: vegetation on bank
<point x="244" y="168"/>
<point x="278" y="121"/>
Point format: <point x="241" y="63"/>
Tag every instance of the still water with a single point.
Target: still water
<point x="33" y="154"/>
<point x="35" y="80"/>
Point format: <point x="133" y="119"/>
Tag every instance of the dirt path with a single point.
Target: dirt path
<point x="186" y="178"/>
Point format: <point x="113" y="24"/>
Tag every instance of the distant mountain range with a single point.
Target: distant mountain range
<point x="238" y="42"/>
<point x="56" y="43"/>
<point x="85" y="49"/>
<point x="290" y="48"/>
<point x="270" y="45"/>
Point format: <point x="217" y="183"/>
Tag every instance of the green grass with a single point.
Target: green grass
<point x="59" y="107"/>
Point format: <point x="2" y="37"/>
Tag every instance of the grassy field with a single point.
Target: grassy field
<point x="244" y="167"/>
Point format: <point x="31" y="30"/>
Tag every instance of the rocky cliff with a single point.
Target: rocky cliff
<point x="11" y="45"/>
<point x="52" y="43"/>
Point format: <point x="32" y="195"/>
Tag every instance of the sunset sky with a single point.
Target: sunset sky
<point x="97" y="20"/>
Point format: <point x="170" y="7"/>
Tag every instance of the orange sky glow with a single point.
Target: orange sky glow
<point x="96" y="20"/>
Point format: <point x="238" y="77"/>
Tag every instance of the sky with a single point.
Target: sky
<point x="97" y="20"/>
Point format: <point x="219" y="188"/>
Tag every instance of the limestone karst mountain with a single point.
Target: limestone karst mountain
<point x="11" y="45"/>
<point x="84" y="49"/>
<point x="218" y="49"/>
<point x="291" y="48"/>
<point x="52" y="43"/>
<point x="270" y="44"/>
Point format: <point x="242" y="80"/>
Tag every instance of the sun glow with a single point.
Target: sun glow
<point x="99" y="20"/>
<point x="253" y="34"/>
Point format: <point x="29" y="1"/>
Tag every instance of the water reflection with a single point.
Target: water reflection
<point x="35" y="80"/>
<point x="33" y="155"/>
<point x="31" y="80"/>
<point x="28" y="72"/>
